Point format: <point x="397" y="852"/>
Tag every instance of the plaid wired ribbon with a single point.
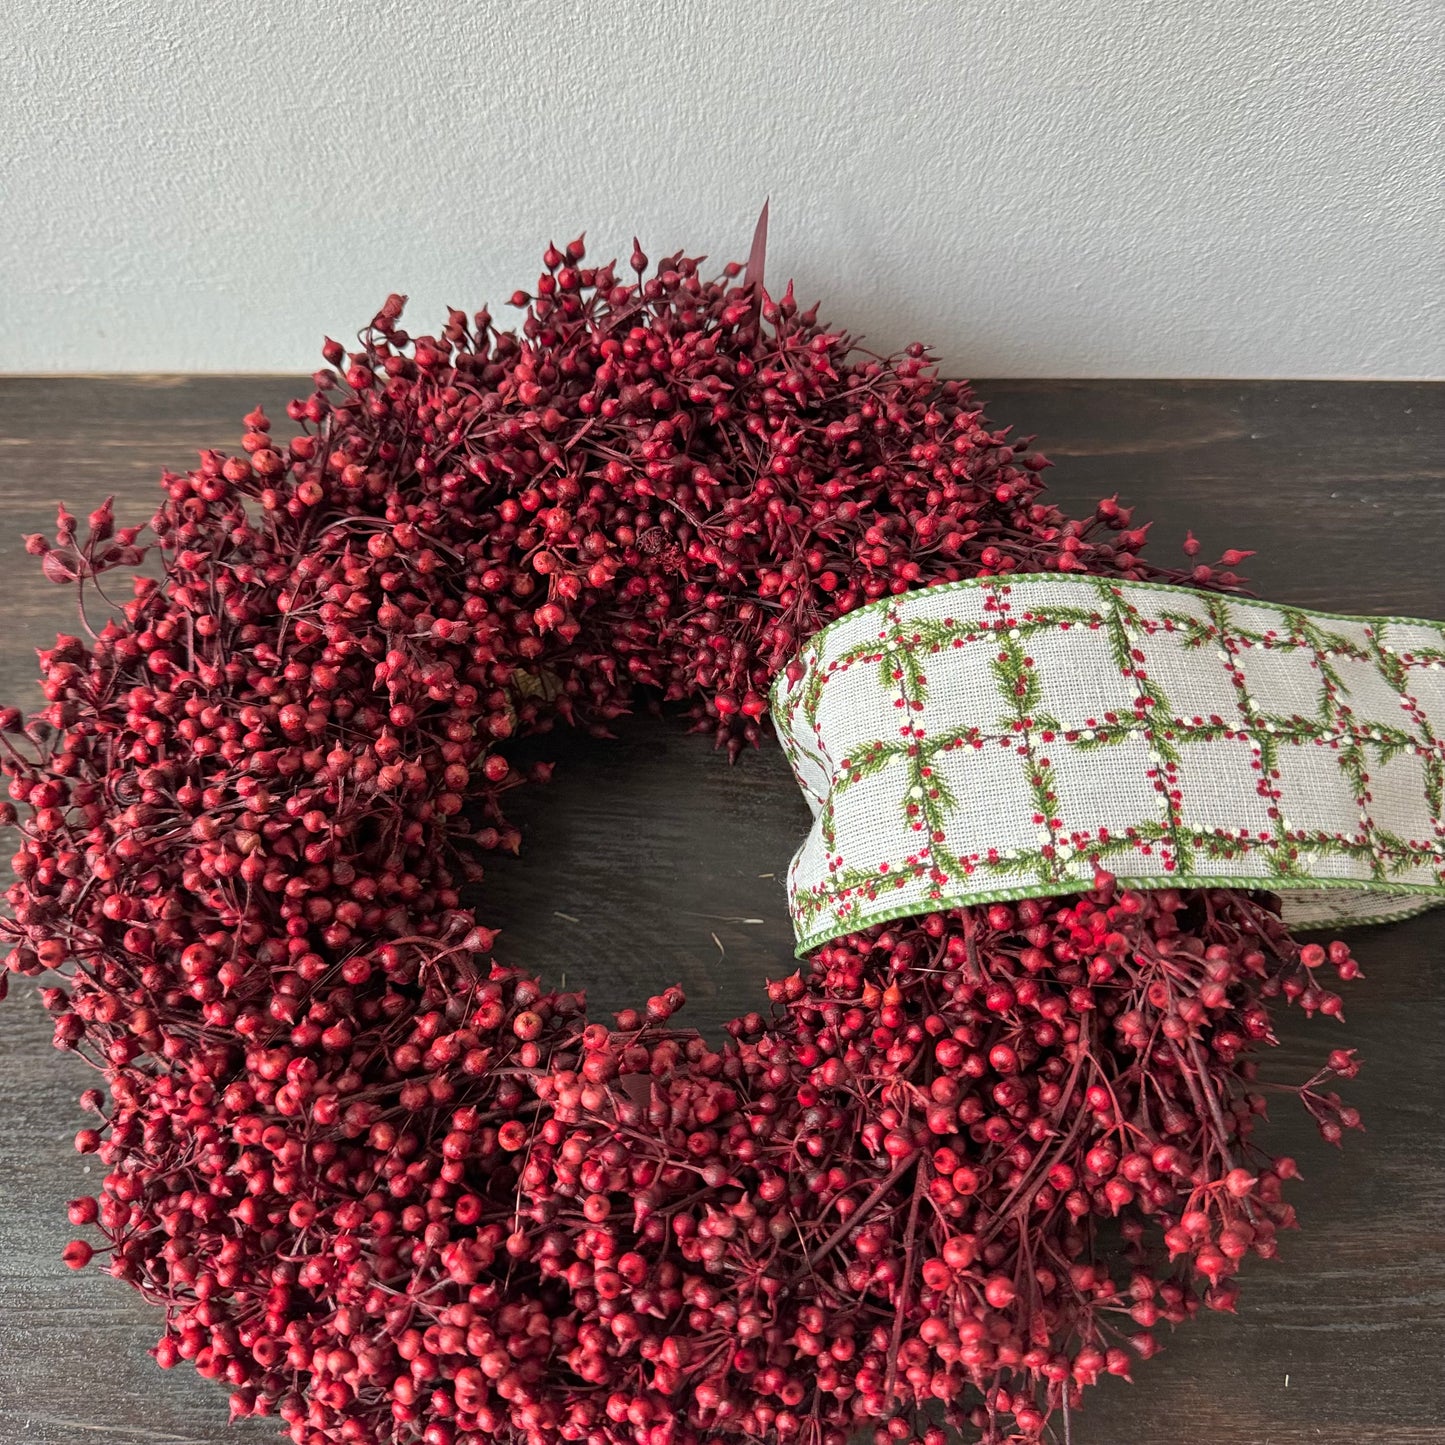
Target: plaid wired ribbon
<point x="1004" y="737"/>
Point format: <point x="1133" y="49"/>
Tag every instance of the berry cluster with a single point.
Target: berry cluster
<point x="394" y="1191"/>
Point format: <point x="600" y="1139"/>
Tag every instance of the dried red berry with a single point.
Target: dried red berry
<point x="77" y="1254"/>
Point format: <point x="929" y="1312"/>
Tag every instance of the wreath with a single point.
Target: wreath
<point x="957" y="1167"/>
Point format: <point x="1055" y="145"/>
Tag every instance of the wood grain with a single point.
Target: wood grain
<point x="1340" y="487"/>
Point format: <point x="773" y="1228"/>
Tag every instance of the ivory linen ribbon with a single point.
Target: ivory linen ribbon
<point x="1004" y="737"/>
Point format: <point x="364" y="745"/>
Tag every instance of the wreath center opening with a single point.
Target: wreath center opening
<point x="647" y="861"/>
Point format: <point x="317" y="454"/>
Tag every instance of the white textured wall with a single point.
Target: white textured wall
<point x="1039" y="187"/>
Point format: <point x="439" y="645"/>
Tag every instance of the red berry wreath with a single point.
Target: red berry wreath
<point x="391" y="1190"/>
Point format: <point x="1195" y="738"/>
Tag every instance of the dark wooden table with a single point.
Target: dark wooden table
<point x="1340" y="487"/>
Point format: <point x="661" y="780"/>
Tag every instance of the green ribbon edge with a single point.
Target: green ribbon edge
<point x="1432" y="896"/>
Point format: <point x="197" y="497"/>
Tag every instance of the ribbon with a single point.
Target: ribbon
<point x="1006" y="737"/>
